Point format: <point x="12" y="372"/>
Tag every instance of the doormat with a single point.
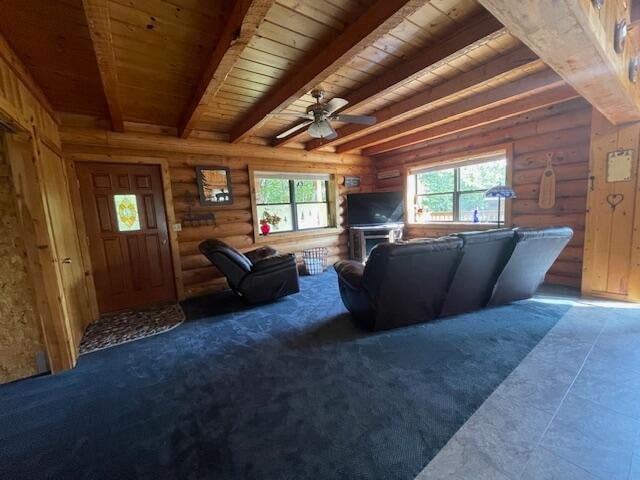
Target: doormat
<point x="118" y="328"/>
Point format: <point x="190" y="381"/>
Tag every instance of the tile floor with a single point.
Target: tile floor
<point x="569" y="411"/>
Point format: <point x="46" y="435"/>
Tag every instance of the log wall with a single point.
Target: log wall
<point x="562" y="129"/>
<point x="234" y="223"/>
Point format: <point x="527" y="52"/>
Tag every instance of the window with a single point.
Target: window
<point x="127" y="212"/>
<point x="299" y="201"/>
<point x="455" y="192"/>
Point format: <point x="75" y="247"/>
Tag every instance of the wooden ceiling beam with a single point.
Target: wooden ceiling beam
<point x="377" y="20"/>
<point x="244" y="20"/>
<point x="489" y="71"/>
<point x="479" y="32"/>
<point x="576" y="40"/>
<point x="501" y="112"/>
<point x="99" y="23"/>
<point x="529" y="85"/>
<point x="141" y="141"/>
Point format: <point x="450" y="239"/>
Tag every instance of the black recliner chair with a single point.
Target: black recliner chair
<point x="401" y="284"/>
<point x="268" y="277"/>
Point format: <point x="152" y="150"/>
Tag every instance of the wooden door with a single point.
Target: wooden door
<point x="65" y="238"/>
<point x="612" y="236"/>
<point x="51" y="241"/>
<point x="126" y="225"/>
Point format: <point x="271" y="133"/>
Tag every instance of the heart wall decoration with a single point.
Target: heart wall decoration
<point x="614" y="199"/>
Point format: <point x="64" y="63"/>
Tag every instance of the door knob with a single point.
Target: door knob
<point x="66" y="260"/>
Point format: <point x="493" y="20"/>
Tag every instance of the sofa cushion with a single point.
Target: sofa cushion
<point x="407" y="283"/>
<point x="485" y="254"/>
<point x="350" y="271"/>
<point x="535" y="251"/>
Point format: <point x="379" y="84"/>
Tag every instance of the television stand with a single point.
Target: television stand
<point x="362" y="238"/>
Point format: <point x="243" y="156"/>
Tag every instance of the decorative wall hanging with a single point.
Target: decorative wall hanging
<point x="619" y="166"/>
<point x="352" y="182"/>
<point x="547" y="191"/>
<point x="383" y="175"/>
<point x="191" y="219"/>
<point x="614" y="199"/>
<point x="214" y="185"/>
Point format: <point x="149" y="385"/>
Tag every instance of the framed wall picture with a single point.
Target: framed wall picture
<point x="214" y="185"/>
<point x="352" y="182"/>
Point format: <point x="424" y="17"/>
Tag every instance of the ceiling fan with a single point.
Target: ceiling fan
<point x="320" y="114"/>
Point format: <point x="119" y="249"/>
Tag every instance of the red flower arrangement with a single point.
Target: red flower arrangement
<point x="267" y="221"/>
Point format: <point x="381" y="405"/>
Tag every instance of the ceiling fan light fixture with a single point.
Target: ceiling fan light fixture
<point x="318" y="118"/>
<point x="320" y="130"/>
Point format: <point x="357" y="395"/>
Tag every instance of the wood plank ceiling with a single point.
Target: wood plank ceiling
<point x="217" y="68"/>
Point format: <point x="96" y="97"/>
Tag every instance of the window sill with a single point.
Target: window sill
<point x="455" y="226"/>
<point x="316" y="232"/>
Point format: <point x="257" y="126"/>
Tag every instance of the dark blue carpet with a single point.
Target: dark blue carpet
<point x="290" y="390"/>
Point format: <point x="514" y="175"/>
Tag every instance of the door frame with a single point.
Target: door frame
<point x="40" y="249"/>
<point x="161" y="162"/>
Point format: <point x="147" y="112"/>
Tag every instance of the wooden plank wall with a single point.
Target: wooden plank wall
<point x="33" y="136"/>
<point x="21" y="100"/>
<point x="562" y="129"/>
<point x="20" y="331"/>
<point x="612" y="237"/>
<point x="233" y="222"/>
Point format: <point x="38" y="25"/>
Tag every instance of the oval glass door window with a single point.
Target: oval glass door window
<point x="127" y="212"/>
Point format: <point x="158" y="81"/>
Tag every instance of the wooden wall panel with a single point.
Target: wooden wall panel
<point x="20" y="332"/>
<point x="612" y="243"/>
<point x="22" y="103"/>
<point x="563" y="131"/>
<point x="33" y="144"/>
<point x="233" y="222"/>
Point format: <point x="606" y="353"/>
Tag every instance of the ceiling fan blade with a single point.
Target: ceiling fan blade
<point x="360" y="119"/>
<point x="335" y="104"/>
<point x="322" y="129"/>
<point x="300" y="126"/>
<point x="290" y="115"/>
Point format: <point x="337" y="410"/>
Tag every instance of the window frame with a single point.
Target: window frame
<point x="294" y="206"/>
<point x="456" y="162"/>
<point x="331" y="202"/>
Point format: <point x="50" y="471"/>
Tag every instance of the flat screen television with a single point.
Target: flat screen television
<point x="375" y="208"/>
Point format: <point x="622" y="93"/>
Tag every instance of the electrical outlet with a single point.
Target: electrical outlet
<point x="177" y="227"/>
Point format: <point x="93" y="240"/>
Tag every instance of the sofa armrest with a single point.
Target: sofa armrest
<point x="259" y="254"/>
<point x="350" y="271"/>
<point x="275" y="262"/>
<point x="271" y="278"/>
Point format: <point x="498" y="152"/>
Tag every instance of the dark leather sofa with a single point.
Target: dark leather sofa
<point x="268" y="277"/>
<point x="419" y="280"/>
